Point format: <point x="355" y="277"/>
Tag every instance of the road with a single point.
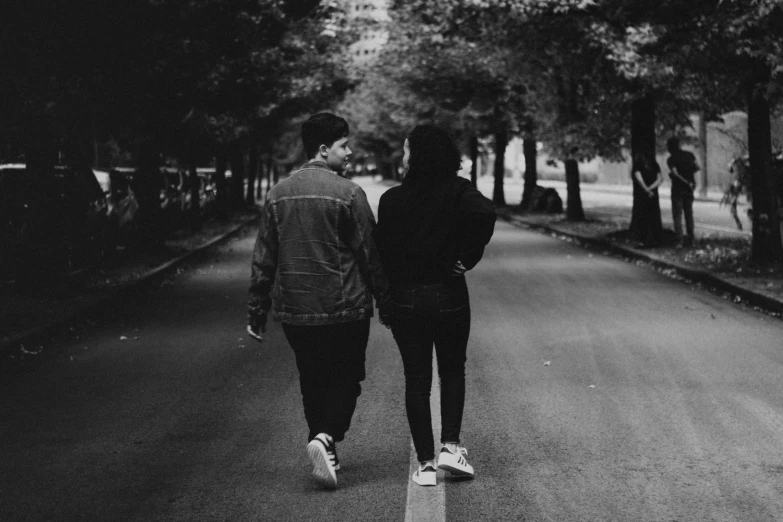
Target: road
<point x="597" y="390"/>
<point x="614" y="201"/>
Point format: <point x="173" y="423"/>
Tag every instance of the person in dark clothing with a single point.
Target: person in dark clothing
<point x="682" y="170"/>
<point x="316" y="266"/>
<point x="646" y="180"/>
<point x="431" y="230"/>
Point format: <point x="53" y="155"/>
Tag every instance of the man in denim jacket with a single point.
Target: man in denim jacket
<point x="316" y="266"/>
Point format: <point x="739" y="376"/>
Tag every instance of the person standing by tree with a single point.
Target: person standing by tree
<point x="431" y="230"/>
<point x="682" y="170"/>
<point x="647" y="178"/>
<point x="316" y="264"/>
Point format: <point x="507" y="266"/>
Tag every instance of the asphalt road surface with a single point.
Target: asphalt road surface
<point x="597" y="390"/>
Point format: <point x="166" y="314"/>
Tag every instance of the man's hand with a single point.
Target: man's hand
<point x="384" y="316"/>
<point x="459" y="269"/>
<point x="256" y="326"/>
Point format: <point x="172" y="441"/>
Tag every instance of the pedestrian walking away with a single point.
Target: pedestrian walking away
<point x="646" y="174"/>
<point x="431" y="230"/>
<point x="682" y="171"/>
<point x="315" y="265"/>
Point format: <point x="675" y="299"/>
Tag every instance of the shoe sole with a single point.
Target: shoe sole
<point x="455" y="471"/>
<point x="426" y="484"/>
<point x="322" y="469"/>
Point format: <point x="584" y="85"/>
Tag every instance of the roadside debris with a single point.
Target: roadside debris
<point x="25" y="351"/>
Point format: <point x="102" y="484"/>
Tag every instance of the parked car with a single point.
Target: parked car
<point x="51" y="224"/>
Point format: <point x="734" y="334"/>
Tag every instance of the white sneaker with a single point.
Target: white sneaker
<point x="323" y="467"/>
<point x="426" y="475"/>
<point x="455" y="462"/>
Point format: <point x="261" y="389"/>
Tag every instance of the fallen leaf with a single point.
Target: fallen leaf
<point x="712" y="315"/>
<point x="591" y="386"/>
<point x="30" y="352"/>
<point x="123" y="338"/>
<point x="547" y="363"/>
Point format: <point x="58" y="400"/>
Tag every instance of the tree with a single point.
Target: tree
<point x="757" y="29"/>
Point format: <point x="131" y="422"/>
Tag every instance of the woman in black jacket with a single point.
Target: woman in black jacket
<point x="431" y="230"/>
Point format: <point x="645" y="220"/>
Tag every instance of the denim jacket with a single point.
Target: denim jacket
<point x="315" y="253"/>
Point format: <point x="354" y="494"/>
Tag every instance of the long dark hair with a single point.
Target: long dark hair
<point x="433" y="157"/>
<point x="643" y="163"/>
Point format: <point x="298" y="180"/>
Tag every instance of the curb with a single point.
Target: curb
<point x="696" y="275"/>
<point x="147" y="278"/>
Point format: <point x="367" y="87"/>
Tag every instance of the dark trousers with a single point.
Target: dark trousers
<point x="682" y="203"/>
<point x="423" y="316"/>
<point x="330" y="359"/>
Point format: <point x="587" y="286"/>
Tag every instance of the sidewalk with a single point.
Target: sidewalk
<point x="27" y="321"/>
<point x="757" y="292"/>
<point x="713" y="195"/>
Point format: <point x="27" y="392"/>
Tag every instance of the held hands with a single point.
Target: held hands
<point x="459" y="269"/>
<point x="256" y="325"/>
<point x="384" y="315"/>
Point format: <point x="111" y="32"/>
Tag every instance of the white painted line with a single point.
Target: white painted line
<point x="427" y="504"/>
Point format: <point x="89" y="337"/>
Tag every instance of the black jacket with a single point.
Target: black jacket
<point x="422" y="233"/>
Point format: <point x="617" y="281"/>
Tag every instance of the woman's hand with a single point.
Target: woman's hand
<point x="459" y="269"/>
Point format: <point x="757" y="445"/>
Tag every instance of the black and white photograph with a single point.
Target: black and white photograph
<point x="391" y="260"/>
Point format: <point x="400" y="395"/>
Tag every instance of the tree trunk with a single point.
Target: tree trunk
<point x="485" y="167"/>
<point x="275" y="173"/>
<point x="574" y="210"/>
<point x="236" y="190"/>
<point x="41" y="257"/>
<point x="766" y="244"/>
<point x="474" y="160"/>
<point x="643" y="142"/>
<point x="194" y="182"/>
<point x="531" y="173"/>
<point x="147" y="183"/>
<point x="221" y="185"/>
<point x="262" y="171"/>
<point x="703" y="152"/>
<point x="501" y="141"/>
<point x="252" y="175"/>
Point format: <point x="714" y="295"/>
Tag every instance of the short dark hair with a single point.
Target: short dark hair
<point x="323" y="128"/>
<point x="433" y="156"/>
<point x="673" y="143"/>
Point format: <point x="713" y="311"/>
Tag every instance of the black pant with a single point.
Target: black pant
<point x="682" y="203"/>
<point x="330" y="359"/>
<point x="423" y="315"/>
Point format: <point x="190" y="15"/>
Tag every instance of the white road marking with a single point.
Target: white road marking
<point x="427" y="504"/>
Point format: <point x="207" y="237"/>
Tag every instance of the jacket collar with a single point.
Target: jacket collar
<point x="318" y="164"/>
